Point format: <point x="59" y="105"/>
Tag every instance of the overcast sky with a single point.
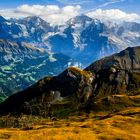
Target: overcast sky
<point x="59" y="11"/>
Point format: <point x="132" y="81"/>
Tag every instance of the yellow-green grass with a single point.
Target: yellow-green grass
<point x="123" y="125"/>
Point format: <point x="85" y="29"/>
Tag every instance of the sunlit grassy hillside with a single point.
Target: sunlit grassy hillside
<point x="122" y="125"/>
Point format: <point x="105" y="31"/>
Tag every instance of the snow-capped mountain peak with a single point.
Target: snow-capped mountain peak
<point x="80" y="36"/>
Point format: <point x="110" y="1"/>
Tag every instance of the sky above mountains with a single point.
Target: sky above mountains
<point x="59" y="11"/>
<point x="125" y="5"/>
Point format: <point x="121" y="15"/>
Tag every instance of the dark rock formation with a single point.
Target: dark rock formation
<point x="106" y="84"/>
<point x="72" y="83"/>
<point x="117" y="74"/>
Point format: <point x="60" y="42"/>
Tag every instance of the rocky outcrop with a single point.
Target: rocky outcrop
<point x="73" y="86"/>
<point x="117" y="74"/>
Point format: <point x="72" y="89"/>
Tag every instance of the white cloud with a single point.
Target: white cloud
<point x="52" y="13"/>
<point x="114" y="15"/>
<point x="57" y="15"/>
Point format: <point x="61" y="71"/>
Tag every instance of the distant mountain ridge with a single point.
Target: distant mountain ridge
<point x="80" y="36"/>
<point x="22" y="64"/>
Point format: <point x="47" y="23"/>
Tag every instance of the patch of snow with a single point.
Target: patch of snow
<point x="46" y="36"/>
<point x="8" y="23"/>
<point x="121" y="44"/>
<point x="51" y="58"/>
<point x="77" y="41"/>
<point x="38" y="21"/>
<point x="32" y="30"/>
<point x="24" y="29"/>
<point x="132" y="35"/>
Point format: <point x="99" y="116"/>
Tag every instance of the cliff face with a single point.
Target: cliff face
<point x="117" y="74"/>
<point x="105" y="84"/>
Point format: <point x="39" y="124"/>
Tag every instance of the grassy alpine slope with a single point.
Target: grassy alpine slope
<point x="122" y="125"/>
<point x="101" y="102"/>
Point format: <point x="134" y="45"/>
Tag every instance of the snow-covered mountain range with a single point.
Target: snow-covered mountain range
<point x="82" y="37"/>
<point x="31" y="44"/>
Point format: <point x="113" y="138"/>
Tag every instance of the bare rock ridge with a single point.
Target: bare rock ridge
<point x="125" y="60"/>
<point x="118" y="73"/>
<point x="105" y="84"/>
